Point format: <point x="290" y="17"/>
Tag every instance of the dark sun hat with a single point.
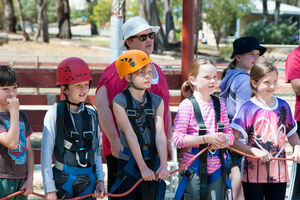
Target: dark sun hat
<point x="246" y="44"/>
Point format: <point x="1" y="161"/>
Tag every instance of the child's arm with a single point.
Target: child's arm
<point x="264" y="156"/>
<point x="48" y="142"/>
<point x="124" y="123"/>
<point x="160" y="140"/>
<point x="170" y="135"/>
<point x="105" y="120"/>
<point x="10" y="139"/>
<point x="99" y="189"/>
<point x="295" y="142"/>
<point x="28" y="184"/>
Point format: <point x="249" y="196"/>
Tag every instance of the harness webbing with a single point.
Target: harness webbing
<point x="65" y="129"/>
<point x="141" y="137"/>
<point x="202" y="131"/>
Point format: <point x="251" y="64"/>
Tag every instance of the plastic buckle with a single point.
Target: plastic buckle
<point x="131" y="113"/>
<point x="202" y="127"/>
<point x="149" y="112"/>
<point x="88" y="135"/>
<point x="189" y="172"/>
<point x="74" y="135"/>
<point x="220" y="126"/>
<point x="122" y="175"/>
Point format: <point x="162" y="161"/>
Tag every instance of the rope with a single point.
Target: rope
<point x="141" y="179"/>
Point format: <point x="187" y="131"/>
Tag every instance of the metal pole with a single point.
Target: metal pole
<point x="115" y="37"/>
<point x="187" y="51"/>
<point x="116" y="21"/>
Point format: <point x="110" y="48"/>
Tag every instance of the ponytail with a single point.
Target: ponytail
<point x="230" y="66"/>
<point x="187" y="89"/>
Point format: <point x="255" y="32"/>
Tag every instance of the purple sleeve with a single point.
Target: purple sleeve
<point x="181" y="123"/>
<point x="243" y="91"/>
<point x="291" y="125"/>
<point x="224" y="118"/>
<point x="239" y="121"/>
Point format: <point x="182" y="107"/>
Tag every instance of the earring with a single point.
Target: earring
<point x="254" y="88"/>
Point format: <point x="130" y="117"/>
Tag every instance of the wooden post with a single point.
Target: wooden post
<point x="187" y="51"/>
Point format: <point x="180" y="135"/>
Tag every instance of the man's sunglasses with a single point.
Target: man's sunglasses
<point x="143" y="37"/>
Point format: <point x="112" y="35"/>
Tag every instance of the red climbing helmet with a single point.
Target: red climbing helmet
<point x="72" y="70"/>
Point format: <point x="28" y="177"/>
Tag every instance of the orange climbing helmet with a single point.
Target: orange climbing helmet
<point x="131" y="61"/>
<point x="72" y="70"/>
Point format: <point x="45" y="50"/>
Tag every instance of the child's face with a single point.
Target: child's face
<point x="143" y="77"/>
<point x="267" y="85"/>
<point x="247" y="60"/>
<point x="206" y="80"/>
<point x="5" y="93"/>
<point x="77" y="92"/>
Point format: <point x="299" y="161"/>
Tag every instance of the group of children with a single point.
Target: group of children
<point x="257" y="123"/>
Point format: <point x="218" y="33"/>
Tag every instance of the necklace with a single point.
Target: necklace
<point x="265" y="103"/>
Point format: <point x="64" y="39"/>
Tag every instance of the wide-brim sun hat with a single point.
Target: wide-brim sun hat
<point x="247" y="44"/>
<point x="134" y="26"/>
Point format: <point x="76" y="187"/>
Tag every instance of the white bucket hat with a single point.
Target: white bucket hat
<point x="133" y="26"/>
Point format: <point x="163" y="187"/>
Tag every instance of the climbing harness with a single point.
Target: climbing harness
<point x="199" y="166"/>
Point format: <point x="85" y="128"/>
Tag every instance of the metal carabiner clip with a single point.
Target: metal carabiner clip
<point x="78" y="159"/>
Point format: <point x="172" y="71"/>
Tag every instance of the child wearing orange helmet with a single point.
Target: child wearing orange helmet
<point x="72" y="133"/>
<point x="139" y="115"/>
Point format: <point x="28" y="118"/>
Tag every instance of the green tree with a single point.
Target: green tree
<point x="132" y="8"/>
<point x="51" y="11"/>
<point x="219" y="13"/>
<point x="270" y="33"/>
<point x="101" y="13"/>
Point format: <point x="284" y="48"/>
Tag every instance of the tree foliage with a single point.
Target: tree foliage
<point x="219" y="13"/>
<point x="51" y="11"/>
<point x="269" y="33"/>
<point x="101" y="13"/>
<point x="28" y="9"/>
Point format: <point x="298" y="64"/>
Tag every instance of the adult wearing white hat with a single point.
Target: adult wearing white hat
<point x="136" y="34"/>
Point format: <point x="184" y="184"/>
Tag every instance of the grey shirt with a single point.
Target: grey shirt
<point x="120" y="99"/>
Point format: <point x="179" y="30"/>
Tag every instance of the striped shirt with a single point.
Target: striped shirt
<point x="185" y="123"/>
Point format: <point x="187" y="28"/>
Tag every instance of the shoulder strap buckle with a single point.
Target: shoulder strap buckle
<point x="202" y="127"/>
<point x="74" y="135"/>
<point x="87" y="135"/>
<point x="131" y="113"/>
<point x="149" y="112"/>
<point x="220" y="126"/>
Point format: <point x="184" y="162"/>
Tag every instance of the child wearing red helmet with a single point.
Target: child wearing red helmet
<point x="72" y="133"/>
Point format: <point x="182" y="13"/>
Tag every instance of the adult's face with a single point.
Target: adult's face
<point x="135" y="43"/>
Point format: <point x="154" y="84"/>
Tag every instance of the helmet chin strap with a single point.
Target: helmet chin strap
<point x="132" y="85"/>
<point x="71" y="103"/>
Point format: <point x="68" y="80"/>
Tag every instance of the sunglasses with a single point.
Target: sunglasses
<point x="143" y="37"/>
